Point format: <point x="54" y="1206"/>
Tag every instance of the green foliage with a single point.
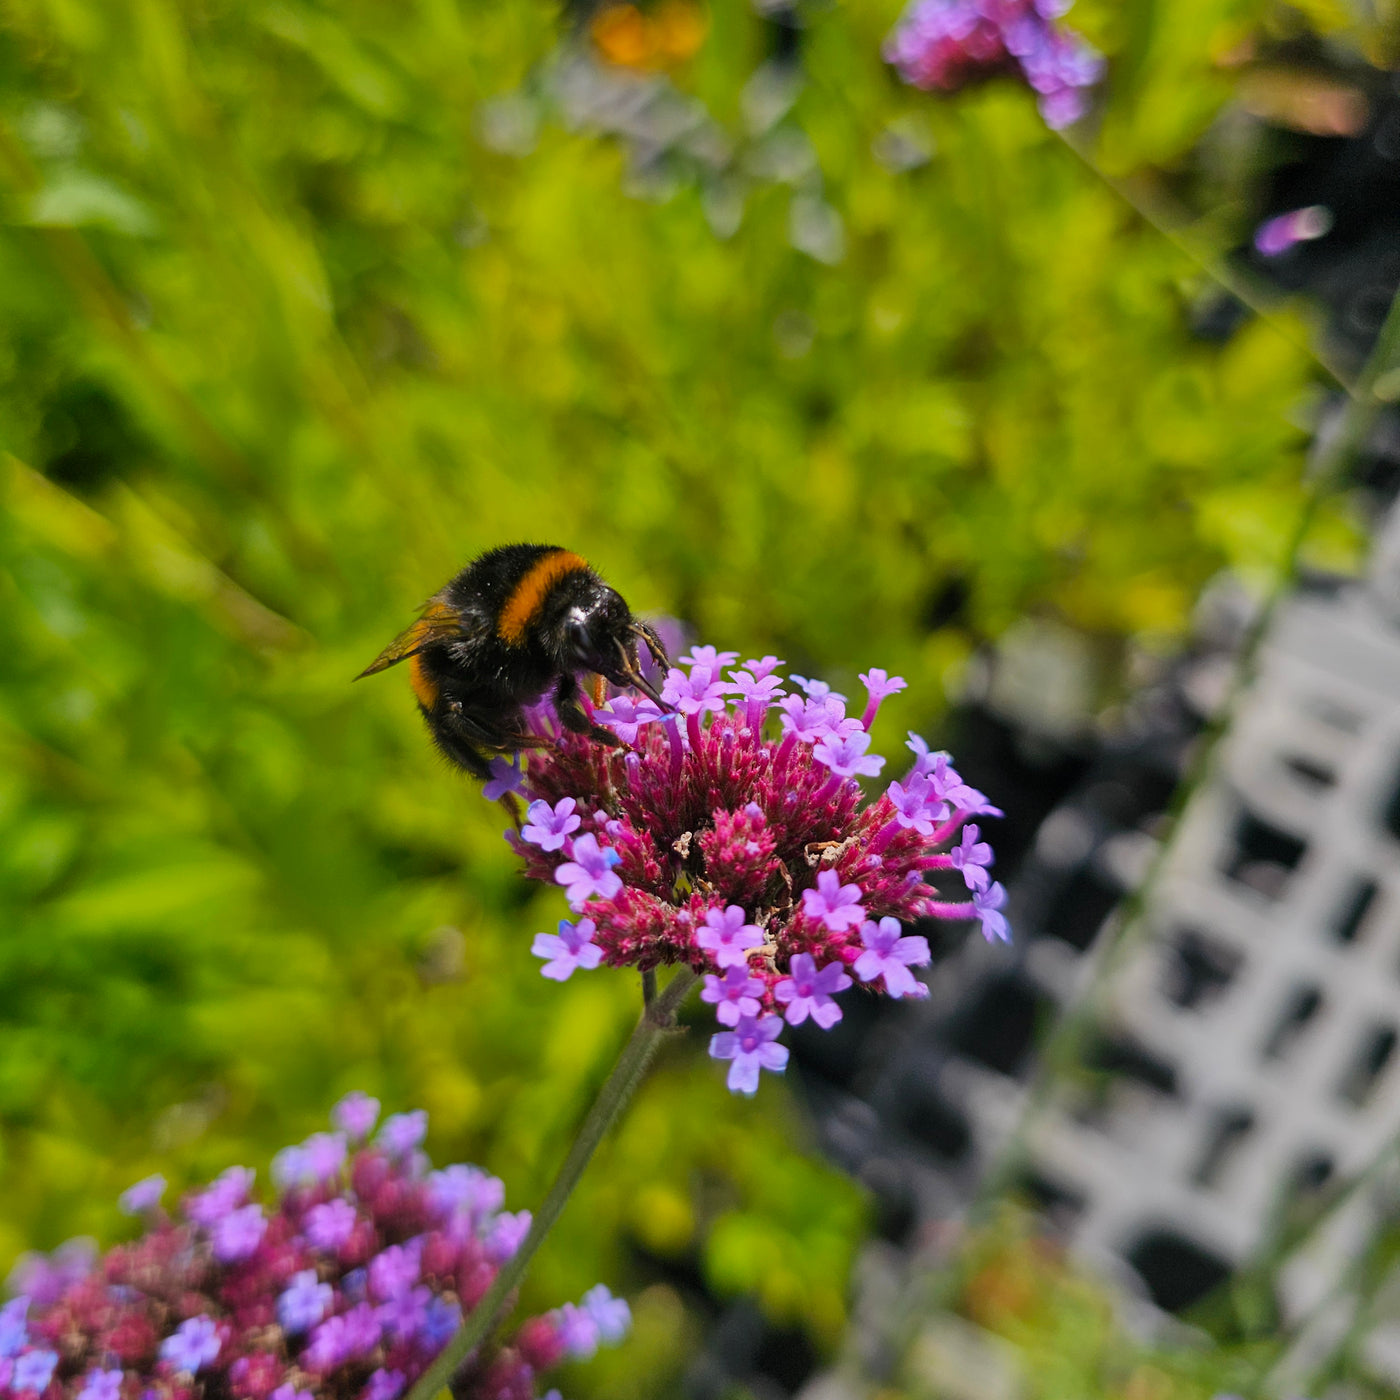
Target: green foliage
<point x="282" y="345"/>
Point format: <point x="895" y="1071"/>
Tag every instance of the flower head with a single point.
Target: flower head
<point x="740" y="844"/>
<point x="350" y="1295"/>
<point x="949" y="44"/>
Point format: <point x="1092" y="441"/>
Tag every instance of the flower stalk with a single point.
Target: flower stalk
<point x="657" y="1021"/>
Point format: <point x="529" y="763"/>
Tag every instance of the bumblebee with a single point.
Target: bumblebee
<point x="517" y="623"/>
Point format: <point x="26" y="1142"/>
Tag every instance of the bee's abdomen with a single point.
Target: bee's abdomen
<point x="424" y="686"/>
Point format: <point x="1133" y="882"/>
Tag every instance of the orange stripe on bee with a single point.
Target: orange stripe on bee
<point x="526" y="599"/>
<point x="424" y="686"/>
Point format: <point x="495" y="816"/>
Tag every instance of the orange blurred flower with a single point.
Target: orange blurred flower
<point x="648" y="40"/>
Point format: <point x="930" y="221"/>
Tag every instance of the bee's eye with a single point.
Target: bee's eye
<point x="576" y="624"/>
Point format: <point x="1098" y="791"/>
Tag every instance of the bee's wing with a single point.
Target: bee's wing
<point x="439" y="623"/>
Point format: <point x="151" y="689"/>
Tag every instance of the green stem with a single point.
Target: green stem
<point x="1064" y="1045"/>
<point x="656" y="1022"/>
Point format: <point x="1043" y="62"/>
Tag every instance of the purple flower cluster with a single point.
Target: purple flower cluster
<point x="345" y="1290"/>
<point x="752" y="857"/>
<point x="950" y="44"/>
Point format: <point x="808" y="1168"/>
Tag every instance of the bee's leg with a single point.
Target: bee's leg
<point x="456" y="747"/>
<point x="572" y="717"/>
<point x="654" y="645"/>
<point x="469" y="740"/>
<point x="658" y="655"/>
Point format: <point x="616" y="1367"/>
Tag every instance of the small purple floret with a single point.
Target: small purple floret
<point x="383" y="1385"/>
<point x="809" y="992"/>
<point x="569" y="949"/>
<point x="304" y="1302"/>
<point x="589" y="873"/>
<point x="144" y="1196"/>
<point x="224" y="1194"/>
<point x="507" y="1233"/>
<point x="845" y="755"/>
<point x="836" y="905"/>
<point x="402" y="1132"/>
<point x="890" y="954"/>
<point x="394" y="1271"/>
<point x="987" y="904"/>
<point x="625" y="716"/>
<point x="34" y="1370"/>
<point x="14" y="1330"/>
<point x="466" y="1190"/>
<point x="194" y="1345"/>
<point x="764" y="666"/>
<point x="549" y="827"/>
<point x="235" y="1236"/>
<point x="733" y="995"/>
<point x="355" y="1115"/>
<point x="578" y="1332"/>
<point x="727" y="938"/>
<point x="708" y="656"/>
<point x="328" y="1226"/>
<point x="916" y="805"/>
<point x="752" y="1046"/>
<point x="611" y="1315"/>
<point x="101" y="1385"/>
<point x="505" y="777"/>
<point x="972" y="856"/>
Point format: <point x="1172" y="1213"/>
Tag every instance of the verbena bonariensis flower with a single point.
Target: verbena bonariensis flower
<point x="747" y="850"/>
<point x="346" y="1288"/>
<point x="950" y="44"/>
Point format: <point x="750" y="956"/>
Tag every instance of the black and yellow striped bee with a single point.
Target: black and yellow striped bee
<point x="517" y="623"/>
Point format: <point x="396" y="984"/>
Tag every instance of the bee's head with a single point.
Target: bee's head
<point x="597" y="632"/>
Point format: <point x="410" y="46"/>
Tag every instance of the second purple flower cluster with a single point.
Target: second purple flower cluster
<point x="345" y="1289"/>
<point x="950" y="44"/>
